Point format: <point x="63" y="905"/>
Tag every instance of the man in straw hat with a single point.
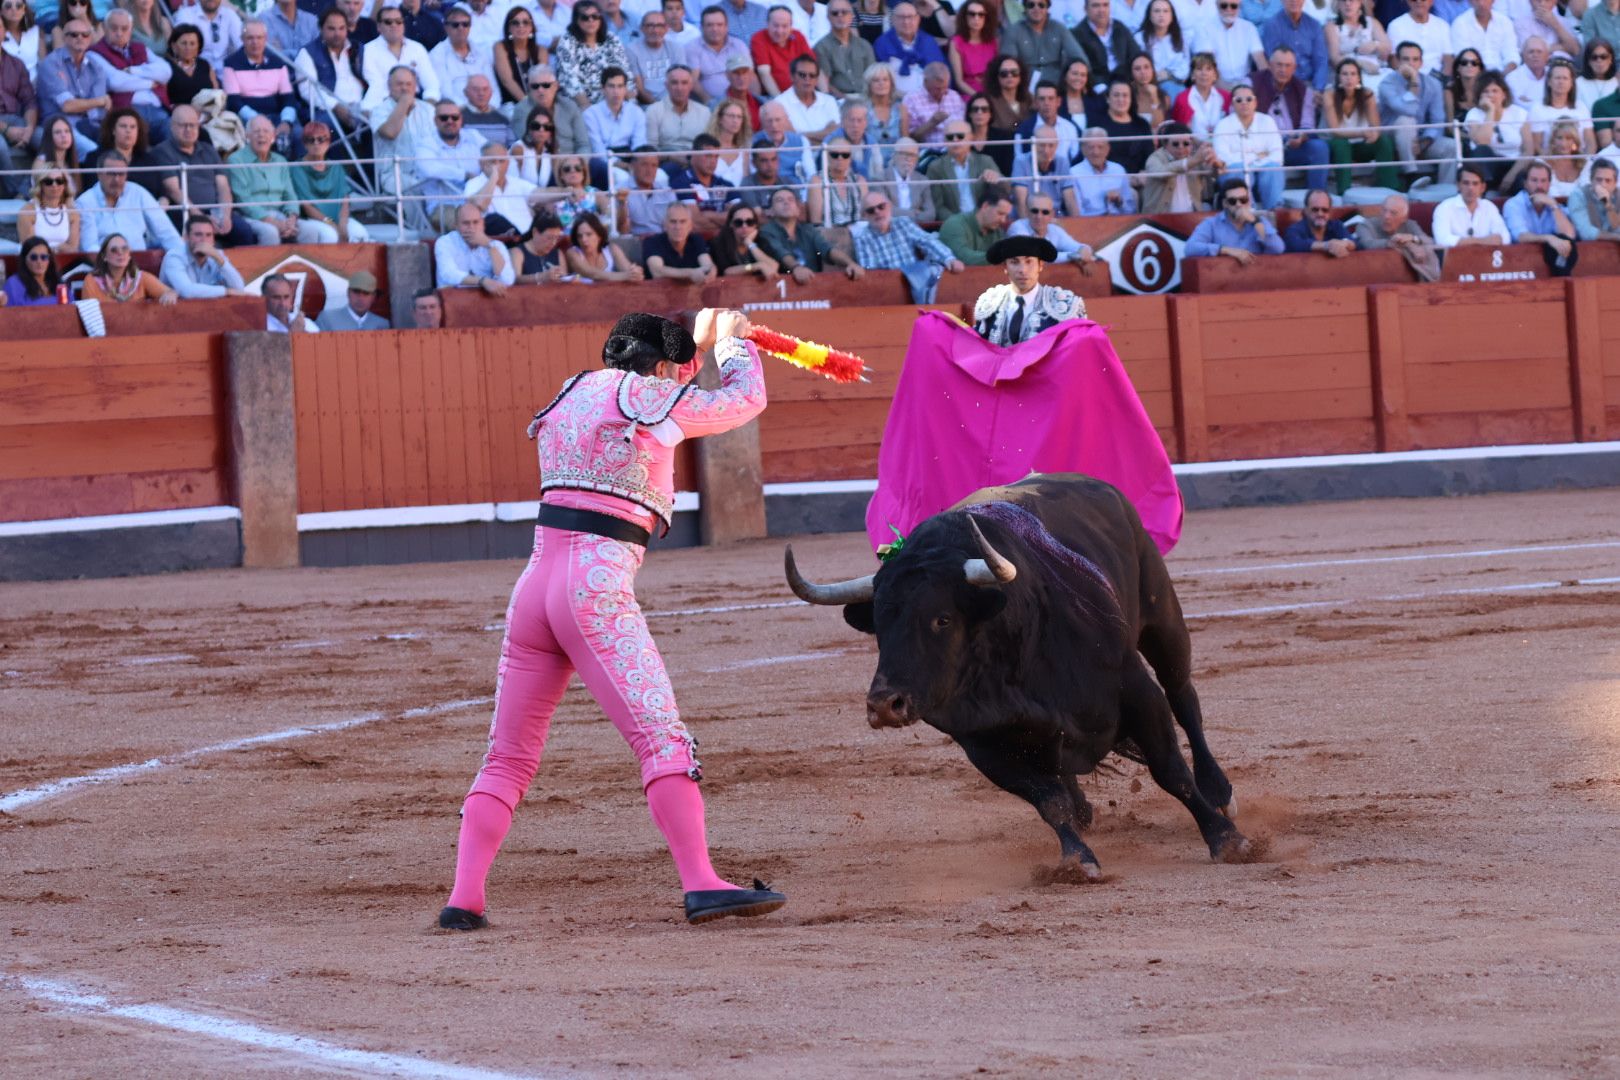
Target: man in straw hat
<point x="1017" y="311"/>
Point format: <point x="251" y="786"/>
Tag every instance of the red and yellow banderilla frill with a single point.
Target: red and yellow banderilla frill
<point x="823" y="360"/>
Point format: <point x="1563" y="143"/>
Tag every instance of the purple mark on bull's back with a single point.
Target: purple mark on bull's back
<point x="1060" y="562"/>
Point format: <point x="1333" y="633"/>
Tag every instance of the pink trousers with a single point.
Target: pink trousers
<point x="574" y="609"/>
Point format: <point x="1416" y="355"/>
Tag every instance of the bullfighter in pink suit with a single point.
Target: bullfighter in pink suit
<point x="607" y="458"/>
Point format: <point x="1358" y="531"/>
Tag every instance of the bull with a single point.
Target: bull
<point x="1022" y="622"/>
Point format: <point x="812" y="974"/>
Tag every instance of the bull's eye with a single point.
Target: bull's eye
<point x="941" y="622"/>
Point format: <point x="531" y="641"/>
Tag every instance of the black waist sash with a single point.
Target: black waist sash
<point x="589" y="521"/>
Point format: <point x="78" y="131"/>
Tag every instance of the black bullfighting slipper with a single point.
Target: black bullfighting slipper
<point x="705" y="905"/>
<point x="454" y="918"/>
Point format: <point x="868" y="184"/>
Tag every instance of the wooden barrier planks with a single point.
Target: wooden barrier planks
<point x="110" y="427"/>
<point x="1139" y="328"/>
<point x="1279" y="374"/>
<point x="1486" y="365"/>
<point x="1608" y="304"/>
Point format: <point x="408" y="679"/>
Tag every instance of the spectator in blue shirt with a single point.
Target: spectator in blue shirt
<point x="290" y="28"/>
<point x="616" y="124"/>
<point x="700" y="189"/>
<point x="1101" y="186"/>
<point x="1303" y="34"/>
<point x="72" y="76"/>
<point x="1533" y="216"/>
<point x="1318" y="230"/>
<point x="1237" y="232"/>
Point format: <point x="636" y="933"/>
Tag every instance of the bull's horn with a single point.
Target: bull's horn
<point x="855" y="591"/>
<point x="993" y="569"/>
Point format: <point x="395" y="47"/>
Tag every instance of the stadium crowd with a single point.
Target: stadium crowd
<point x="623" y="140"/>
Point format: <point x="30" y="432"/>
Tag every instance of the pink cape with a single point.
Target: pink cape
<point x="968" y="414"/>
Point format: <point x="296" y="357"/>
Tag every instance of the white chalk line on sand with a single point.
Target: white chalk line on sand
<point x="774" y="605"/>
<point x="1396" y="598"/>
<point x="29" y="796"/>
<point x="71" y="999"/>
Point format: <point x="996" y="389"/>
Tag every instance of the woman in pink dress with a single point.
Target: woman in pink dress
<point x="973" y="47"/>
<point x="607" y="461"/>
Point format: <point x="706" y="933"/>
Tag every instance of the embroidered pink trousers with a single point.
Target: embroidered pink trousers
<point x="574" y="609"/>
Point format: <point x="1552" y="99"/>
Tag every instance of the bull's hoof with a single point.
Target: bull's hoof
<point x="1233" y="848"/>
<point x="1231" y="808"/>
<point x="1069" y="872"/>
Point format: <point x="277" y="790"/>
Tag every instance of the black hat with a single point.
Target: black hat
<point x="639" y="340"/>
<point x="1014" y="247"/>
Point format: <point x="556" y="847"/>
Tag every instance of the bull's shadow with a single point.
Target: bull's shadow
<point x="1023" y="622"/>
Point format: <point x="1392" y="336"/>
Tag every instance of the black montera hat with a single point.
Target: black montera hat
<point x="636" y="335"/>
<point x="1014" y="247"/>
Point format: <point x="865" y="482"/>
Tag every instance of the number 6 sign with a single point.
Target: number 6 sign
<point x="1144" y="259"/>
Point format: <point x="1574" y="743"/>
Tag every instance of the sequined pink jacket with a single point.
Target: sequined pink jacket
<point x="607" y="440"/>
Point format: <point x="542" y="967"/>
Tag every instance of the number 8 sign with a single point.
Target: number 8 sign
<point x="1144" y="259"/>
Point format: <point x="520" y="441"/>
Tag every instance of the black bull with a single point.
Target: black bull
<point x="1018" y="623"/>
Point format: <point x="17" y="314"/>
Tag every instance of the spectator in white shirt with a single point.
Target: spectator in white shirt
<point x="456" y="59"/>
<point x="402" y="125"/>
<point x="1491" y="34"/>
<point x="340" y="102"/>
<point x="507" y="200"/>
<point x="811" y="113"/>
<point x="1422" y="27"/>
<point x="550" y="21"/>
<point x="281" y="313"/>
<point x="682" y="31"/>
<point x="393" y="49"/>
<point x="1541" y="18"/>
<point x="488" y="20"/>
<point x="1249" y="147"/>
<point x="220" y="25"/>
<point x="1234" y="42"/>
<point x="1040" y="220"/>
<point x="1528" y="81"/>
<point x="1467" y="217"/>
<point x="469" y="259"/>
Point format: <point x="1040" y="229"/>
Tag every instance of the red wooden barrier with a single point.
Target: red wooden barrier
<point x="96" y="427"/>
<point x="1217" y="273"/>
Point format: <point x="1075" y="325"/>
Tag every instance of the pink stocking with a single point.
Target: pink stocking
<point x="484" y="821"/>
<point x="677" y="809"/>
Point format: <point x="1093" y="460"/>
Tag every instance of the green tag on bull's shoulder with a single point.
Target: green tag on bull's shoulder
<point x="885" y="552"/>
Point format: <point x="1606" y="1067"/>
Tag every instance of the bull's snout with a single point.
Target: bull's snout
<point x="888" y="707"/>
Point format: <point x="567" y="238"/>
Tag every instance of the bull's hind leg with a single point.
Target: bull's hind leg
<point x="1170" y="653"/>
<point x="1146" y="720"/>
<point x="1055" y="797"/>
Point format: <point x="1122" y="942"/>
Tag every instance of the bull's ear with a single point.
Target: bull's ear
<point x="860" y="616"/>
<point x="979" y="604"/>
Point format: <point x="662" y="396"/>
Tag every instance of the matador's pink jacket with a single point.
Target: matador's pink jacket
<point x="607" y="440"/>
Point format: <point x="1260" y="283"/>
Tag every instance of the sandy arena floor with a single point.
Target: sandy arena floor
<point x="1428" y="745"/>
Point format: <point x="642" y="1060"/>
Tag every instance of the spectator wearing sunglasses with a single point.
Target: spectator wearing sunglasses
<point x="843" y="54"/>
<point x="1040" y="44"/>
<point x="1239" y="232"/>
<point x="73" y="83"/>
<point x="219" y="24"/>
<point x="837" y="191"/>
<point x="322" y="189"/>
<point x="34" y="284"/>
<point x="456" y="59"/>
<point x="652" y="55"/>
<point x="571" y="135"/>
<point x="393" y="49"/>
<point x="961" y="174"/>
<point x="1234" y="43"/>
<point x="1040" y="221"/>
<point x="49" y="212"/>
<point x="811" y="113"/>
<point x="737" y="248"/>
<point x="1176" y="176"/>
